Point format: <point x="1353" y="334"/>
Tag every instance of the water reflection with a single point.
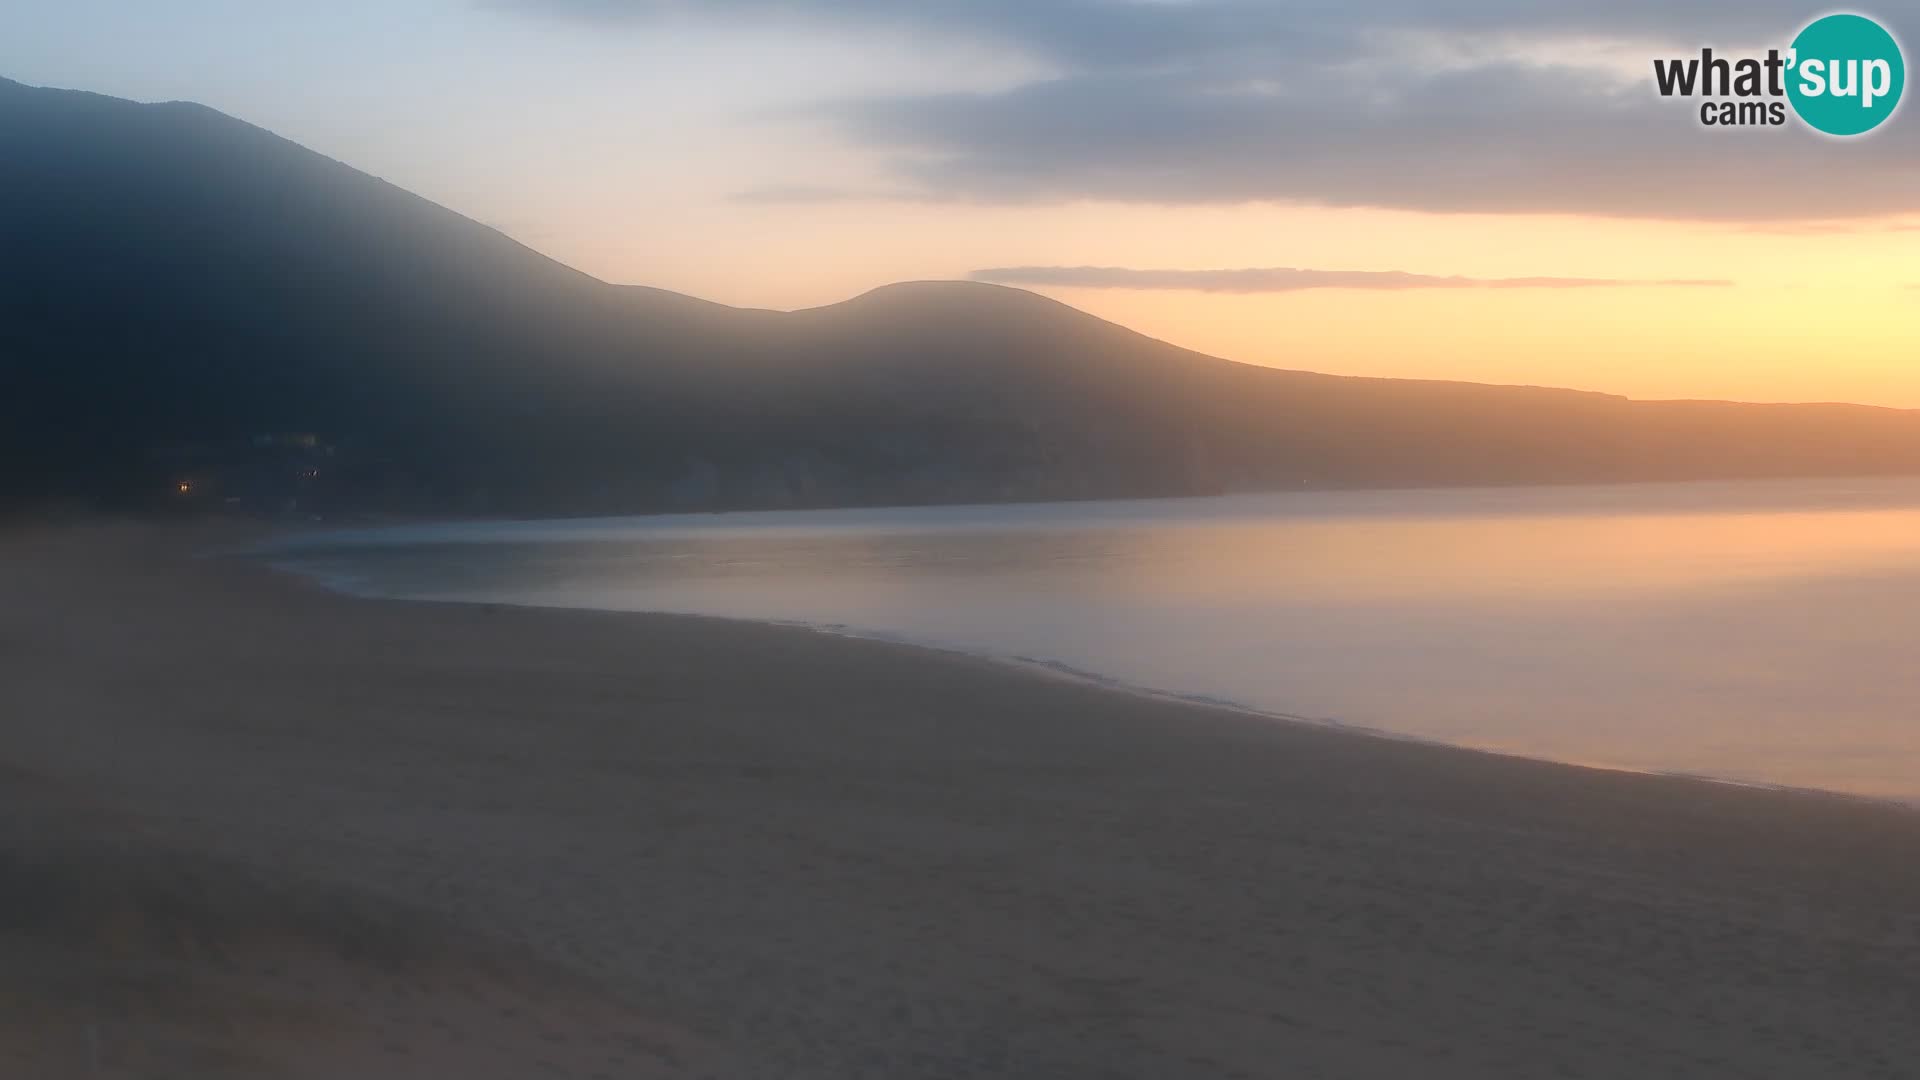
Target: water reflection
<point x="1758" y="631"/>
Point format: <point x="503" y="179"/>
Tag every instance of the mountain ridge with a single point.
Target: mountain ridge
<point x="178" y="285"/>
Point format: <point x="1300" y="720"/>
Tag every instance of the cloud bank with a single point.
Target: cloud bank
<point x="1293" y="279"/>
<point x="1495" y="106"/>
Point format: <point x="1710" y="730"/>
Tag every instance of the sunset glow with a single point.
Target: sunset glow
<point x="784" y="161"/>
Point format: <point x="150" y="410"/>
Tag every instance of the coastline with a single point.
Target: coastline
<point x="789" y="854"/>
<point x="1047" y="668"/>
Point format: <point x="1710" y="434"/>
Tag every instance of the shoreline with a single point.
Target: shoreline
<point x="1059" y="670"/>
<point x="1051" y="669"/>
<point x="736" y="849"/>
<point x="354" y="532"/>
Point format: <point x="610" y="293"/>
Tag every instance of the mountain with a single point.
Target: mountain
<point x="189" y="301"/>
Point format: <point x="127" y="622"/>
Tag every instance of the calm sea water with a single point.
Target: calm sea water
<point x="1754" y="631"/>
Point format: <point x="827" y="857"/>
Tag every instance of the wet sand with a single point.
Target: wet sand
<point x="250" y="829"/>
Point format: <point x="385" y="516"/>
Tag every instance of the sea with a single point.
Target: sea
<point x="1753" y="632"/>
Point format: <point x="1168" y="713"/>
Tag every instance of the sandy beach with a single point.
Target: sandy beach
<point x="252" y="829"/>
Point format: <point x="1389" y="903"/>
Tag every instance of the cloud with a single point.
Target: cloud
<point x="1093" y="32"/>
<point x="1498" y="138"/>
<point x="1831" y="228"/>
<point x="1495" y="106"/>
<point x="1293" y="279"/>
<point x="802" y="194"/>
<point x="1109" y="33"/>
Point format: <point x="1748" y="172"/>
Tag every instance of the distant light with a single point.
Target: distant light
<point x="185" y="488"/>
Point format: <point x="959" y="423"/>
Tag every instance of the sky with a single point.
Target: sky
<point x="1488" y="190"/>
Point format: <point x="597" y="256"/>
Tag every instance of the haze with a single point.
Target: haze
<point x="1198" y="171"/>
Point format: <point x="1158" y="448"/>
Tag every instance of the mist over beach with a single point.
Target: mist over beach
<point x="1534" y="621"/>
<point x="1084" y="539"/>
<point x="257" y="829"/>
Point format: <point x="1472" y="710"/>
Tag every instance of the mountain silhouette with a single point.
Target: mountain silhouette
<point x="184" y="295"/>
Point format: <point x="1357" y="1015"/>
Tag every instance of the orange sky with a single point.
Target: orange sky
<point x="1820" y="314"/>
<point x="619" y="137"/>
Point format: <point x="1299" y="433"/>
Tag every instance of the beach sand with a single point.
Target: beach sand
<point x="251" y="829"/>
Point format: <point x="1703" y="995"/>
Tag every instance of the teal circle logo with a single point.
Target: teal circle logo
<point x="1847" y="75"/>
